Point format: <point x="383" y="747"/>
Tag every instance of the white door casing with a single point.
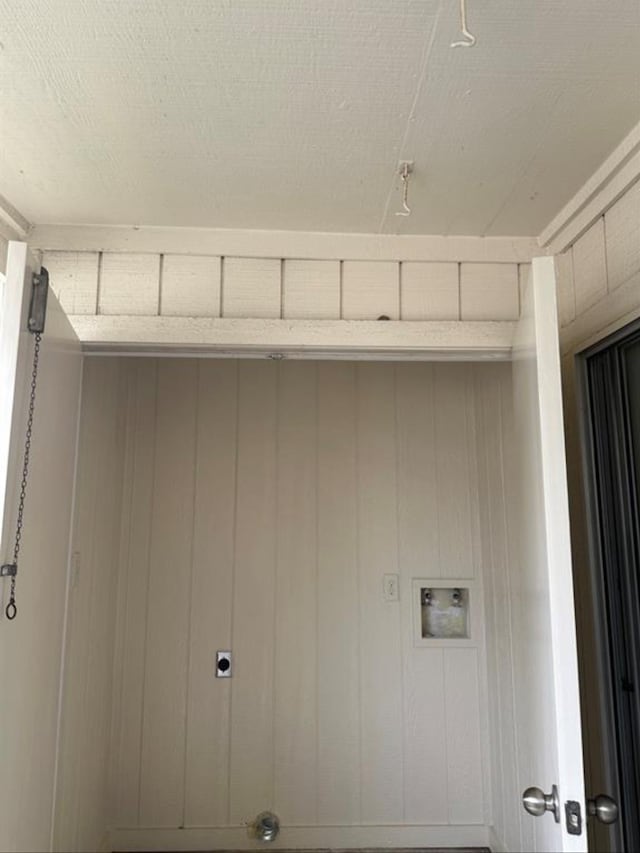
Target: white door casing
<point x="547" y="687"/>
<point x="31" y="645"/>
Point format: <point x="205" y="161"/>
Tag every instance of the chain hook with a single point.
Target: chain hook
<point x="469" y="39"/>
<point x="405" y="169"/>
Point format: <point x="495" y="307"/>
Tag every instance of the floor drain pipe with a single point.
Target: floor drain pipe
<point x="266" y="827"/>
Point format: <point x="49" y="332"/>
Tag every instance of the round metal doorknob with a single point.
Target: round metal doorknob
<point x="536" y="802"/>
<point x="603" y="808"/>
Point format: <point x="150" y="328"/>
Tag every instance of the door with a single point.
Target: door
<point x="611" y="390"/>
<point x="546" y="680"/>
<point x="31" y="643"/>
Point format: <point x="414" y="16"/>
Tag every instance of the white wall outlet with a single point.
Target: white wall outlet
<point x="391" y="587"/>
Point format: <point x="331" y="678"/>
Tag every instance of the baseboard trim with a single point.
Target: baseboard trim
<point x="495" y="844"/>
<point x="299" y="837"/>
<point x="105" y="843"/>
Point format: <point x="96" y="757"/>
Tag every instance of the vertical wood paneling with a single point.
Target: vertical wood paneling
<point x="464" y="754"/>
<point x="380" y="631"/>
<point x="370" y="289"/>
<point x="493" y="402"/>
<point x="622" y="235"/>
<point x="252" y="727"/>
<point x="251" y="287"/>
<point x="31" y="646"/>
<point x="425" y="747"/>
<point x="338" y="598"/>
<point x="419" y="545"/>
<point x="310" y="482"/>
<point x="190" y="286"/>
<point x="97" y="569"/>
<point x="311" y="290"/>
<point x="74" y="279"/>
<point x="82" y="790"/>
<point x="524" y="277"/>
<point x="129" y="284"/>
<point x="295" y="723"/>
<point x="489" y="292"/>
<point x="165" y="676"/>
<point x="134" y="580"/>
<point x="566" y="288"/>
<point x="425" y="756"/>
<point x="455" y="508"/>
<point x="429" y="291"/>
<point x="590" y="267"/>
<point x="209" y="699"/>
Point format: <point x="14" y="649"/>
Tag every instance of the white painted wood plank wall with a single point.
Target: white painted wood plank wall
<point x="599" y="275"/>
<point x="312" y="480"/>
<point x="31" y="646"/>
<point x="494" y="418"/>
<point x="83" y="802"/>
<point x="171" y="285"/>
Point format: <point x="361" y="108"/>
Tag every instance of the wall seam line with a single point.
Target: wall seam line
<point x="148" y="586"/>
<point x="194" y="504"/>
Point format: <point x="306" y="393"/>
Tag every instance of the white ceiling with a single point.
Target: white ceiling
<point x="293" y="114"/>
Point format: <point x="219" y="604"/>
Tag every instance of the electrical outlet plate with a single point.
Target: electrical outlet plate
<point x="391" y="587"/>
<point x="223" y="664"/>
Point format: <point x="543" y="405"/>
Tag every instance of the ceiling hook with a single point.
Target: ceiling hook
<point x="405" y="168"/>
<point x="469" y="39"/>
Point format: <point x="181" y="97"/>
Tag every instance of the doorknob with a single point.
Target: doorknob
<point x="536" y="802"/>
<point x="603" y="808"/>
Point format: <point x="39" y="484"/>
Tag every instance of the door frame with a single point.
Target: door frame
<point x="596" y="567"/>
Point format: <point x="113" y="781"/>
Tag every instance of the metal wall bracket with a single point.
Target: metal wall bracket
<point x="38" y="304"/>
<point x="9" y="570"/>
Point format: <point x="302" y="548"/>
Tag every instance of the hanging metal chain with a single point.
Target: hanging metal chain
<point x="11" y="570"/>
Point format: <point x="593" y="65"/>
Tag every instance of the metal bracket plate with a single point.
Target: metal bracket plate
<point x="9" y="570"/>
<point x="38" y="305"/>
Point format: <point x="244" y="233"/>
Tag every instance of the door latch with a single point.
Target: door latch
<point x="573" y="817"/>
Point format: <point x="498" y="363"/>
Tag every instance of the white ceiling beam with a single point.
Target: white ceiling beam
<point x="13" y="224"/>
<point x="607" y="184"/>
<point x="295" y="338"/>
<point x="282" y="244"/>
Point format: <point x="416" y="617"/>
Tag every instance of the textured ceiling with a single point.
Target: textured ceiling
<point x="293" y="114"/>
